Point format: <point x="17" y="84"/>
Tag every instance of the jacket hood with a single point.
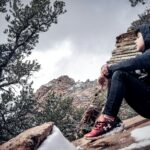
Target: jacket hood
<point x="145" y="30"/>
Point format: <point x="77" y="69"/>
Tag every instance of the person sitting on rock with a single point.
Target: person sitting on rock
<point x="122" y="83"/>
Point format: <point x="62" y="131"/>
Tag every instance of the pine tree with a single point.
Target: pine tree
<point x="144" y="18"/>
<point x="135" y="2"/>
<point x="25" y="23"/>
<point x="60" y="110"/>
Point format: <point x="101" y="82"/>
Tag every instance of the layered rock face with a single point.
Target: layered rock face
<point x="125" y="47"/>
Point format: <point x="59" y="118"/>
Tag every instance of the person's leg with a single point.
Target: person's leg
<point x="138" y="97"/>
<point x="105" y="122"/>
<point x="136" y="93"/>
<point x="122" y="85"/>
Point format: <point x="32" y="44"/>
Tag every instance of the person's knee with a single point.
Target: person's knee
<point x="119" y="74"/>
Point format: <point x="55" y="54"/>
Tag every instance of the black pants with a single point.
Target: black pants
<point x="136" y="93"/>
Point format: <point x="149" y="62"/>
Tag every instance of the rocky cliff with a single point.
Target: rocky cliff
<point x="81" y="92"/>
<point x="125" y="47"/>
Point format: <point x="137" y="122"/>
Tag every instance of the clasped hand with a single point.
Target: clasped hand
<point x="102" y="80"/>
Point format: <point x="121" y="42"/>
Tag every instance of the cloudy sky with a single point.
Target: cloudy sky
<point x="83" y="39"/>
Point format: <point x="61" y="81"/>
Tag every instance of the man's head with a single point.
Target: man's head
<point x="140" y="46"/>
<point x="143" y="37"/>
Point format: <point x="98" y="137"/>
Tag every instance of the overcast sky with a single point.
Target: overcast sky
<point x="83" y="39"/>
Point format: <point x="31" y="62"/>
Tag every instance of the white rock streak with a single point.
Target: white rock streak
<point x="56" y="141"/>
<point x="142" y="138"/>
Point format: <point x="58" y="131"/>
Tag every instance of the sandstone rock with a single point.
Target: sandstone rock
<point x="41" y="91"/>
<point x="29" y="139"/>
<point x="125" y="47"/>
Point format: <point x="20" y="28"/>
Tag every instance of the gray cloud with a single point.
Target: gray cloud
<point x="91" y="25"/>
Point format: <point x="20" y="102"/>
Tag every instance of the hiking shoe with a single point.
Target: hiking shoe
<point x="102" y="126"/>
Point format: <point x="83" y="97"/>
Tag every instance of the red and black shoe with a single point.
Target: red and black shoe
<point x="104" y="125"/>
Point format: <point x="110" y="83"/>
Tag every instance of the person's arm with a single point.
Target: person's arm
<point x="139" y="62"/>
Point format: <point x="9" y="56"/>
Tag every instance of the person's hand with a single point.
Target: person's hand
<point x="102" y="80"/>
<point x="104" y="70"/>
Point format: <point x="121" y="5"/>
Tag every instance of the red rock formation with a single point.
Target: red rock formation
<point x="81" y="92"/>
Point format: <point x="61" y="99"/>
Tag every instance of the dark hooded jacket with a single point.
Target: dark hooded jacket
<point x="141" y="62"/>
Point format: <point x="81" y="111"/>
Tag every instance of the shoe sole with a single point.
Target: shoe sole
<point x="111" y="132"/>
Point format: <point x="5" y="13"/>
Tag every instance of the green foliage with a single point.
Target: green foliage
<point x="61" y="111"/>
<point x="3" y="5"/>
<point x="143" y="19"/>
<point x="25" y="23"/>
<point x="16" y="111"/>
<point x="135" y="2"/>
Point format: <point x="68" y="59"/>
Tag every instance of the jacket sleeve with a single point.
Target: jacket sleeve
<point x="132" y="64"/>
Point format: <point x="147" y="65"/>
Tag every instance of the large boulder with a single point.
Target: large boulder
<point x="43" y="137"/>
<point x="29" y="139"/>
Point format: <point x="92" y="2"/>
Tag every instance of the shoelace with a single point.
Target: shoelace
<point x="99" y="124"/>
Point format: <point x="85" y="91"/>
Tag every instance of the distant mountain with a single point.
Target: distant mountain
<point x="81" y="92"/>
